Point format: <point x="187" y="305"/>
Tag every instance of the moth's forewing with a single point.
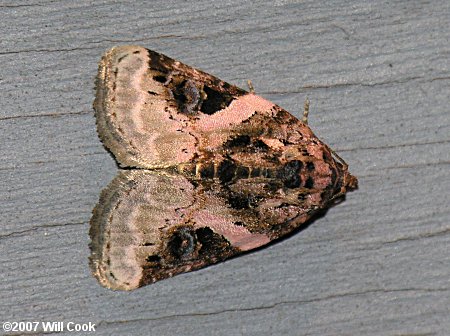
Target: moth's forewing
<point x="144" y="103"/>
<point x="152" y="225"/>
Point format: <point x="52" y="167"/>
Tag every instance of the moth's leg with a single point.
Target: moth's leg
<point x="305" y="111"/>
<point x="250" y="86"/>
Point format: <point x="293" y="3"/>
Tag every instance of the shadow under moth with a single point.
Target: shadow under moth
<point x="208" y="170"/>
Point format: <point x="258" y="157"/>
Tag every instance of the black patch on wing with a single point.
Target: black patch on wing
<point x="187" y="96"/>
<point x="248" y="144"/>
<point x="242" y="201"/>
<point x="153" y="258"/>
<point x="215" y="100"/>
<point x="160" y="78"/>
<point x="290" y="174"/>
<point x="238" y="141"/>
<point x="310" y="166"/>
<point x="213" y="246"/>
<point x="192" y="97"/>
<point x="309" y="183"/>
<point x="193" y="90"/>
<point x="182" y="243"/>
<point x="260" y="146"/>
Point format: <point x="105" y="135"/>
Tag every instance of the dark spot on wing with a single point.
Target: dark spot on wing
<point x="182" y="243"/>
<point x="153" y="258"/>
<point x="260" y="145"/>
<point x="301" y="197"/>
<point x="215" y="100"/>
<point x="187" y="96"/>
<point x="309" y="183"/>
<point x="160" y="78"/>
<point x="213" y="246"/>
<point x="238" y="202"/>
<point x="241" y="201"/>
<point x="290" y="174"/>
<point x="310" y="166"/>
<point x="238" y="141"/>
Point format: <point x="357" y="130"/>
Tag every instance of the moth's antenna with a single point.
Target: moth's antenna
<point x="250" y="86"/>
<point x="305" y="111"/>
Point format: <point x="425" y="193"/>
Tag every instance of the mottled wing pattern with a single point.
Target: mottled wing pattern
<point x="221" y="170"/>
<point x="145" y="102"/>
<point x="150" y="225"/>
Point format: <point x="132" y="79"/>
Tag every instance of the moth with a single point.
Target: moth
<point x="208" y="170"/>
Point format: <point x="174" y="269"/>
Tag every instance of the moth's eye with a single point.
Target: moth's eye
<point x="182" y="243"/>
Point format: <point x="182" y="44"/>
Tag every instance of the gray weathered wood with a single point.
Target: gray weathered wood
<point x="378" y="77"/>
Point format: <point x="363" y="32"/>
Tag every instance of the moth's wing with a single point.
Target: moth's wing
<point x="155" y="112"/>
<point x="127" y="223"/>
<point x="149" y="226"/>
<point x="145" y="104"/>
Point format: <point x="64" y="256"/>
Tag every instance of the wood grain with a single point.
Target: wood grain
<point x="378" y="77"/>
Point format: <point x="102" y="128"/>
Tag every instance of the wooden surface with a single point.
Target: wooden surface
<point x="378" y="77"/>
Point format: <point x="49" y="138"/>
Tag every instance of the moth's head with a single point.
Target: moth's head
<point x="345" y="181"/>
<point x="350" y="182"/>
